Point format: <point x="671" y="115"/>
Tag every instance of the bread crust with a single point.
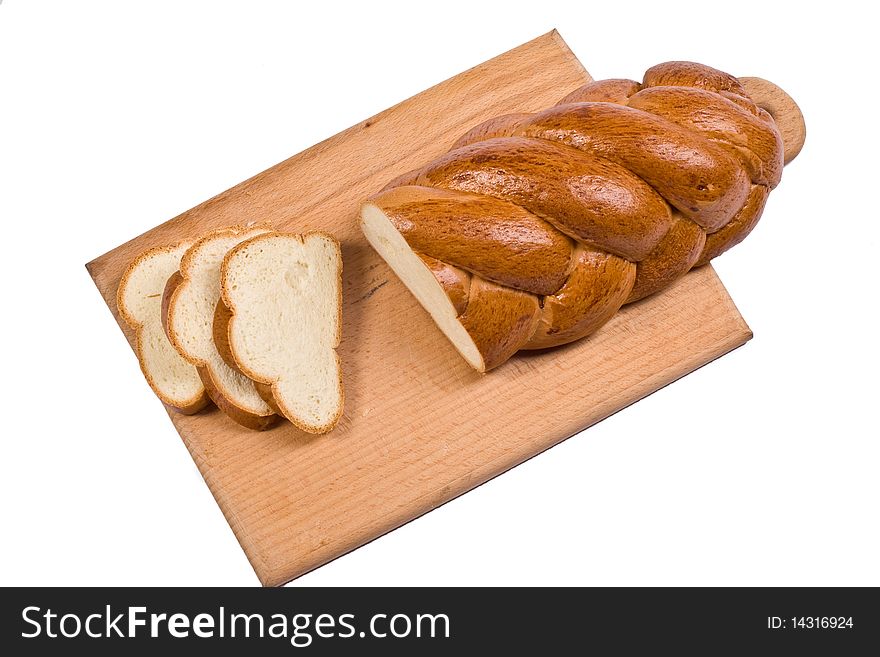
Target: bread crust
<point x="603" y="91"/>
<point x="173" y="290"/>
<point x="497" y="240"/>
<point x="241" y="416"/>
<point x="738" y="228"/>
<point x="500" y="320"/>
<point x="697" y="177"/>
<point x="220" y="328"/>
<point x="596" y="288"/>
<point x="590" y="199"/>
<point x="646" y="180"/>
<point x="227" y="317"/>
<point x="497" y="126"/>
<point x="185" y="406"/>
<point x="671" y="259"/>
<point x="755" y="143"/>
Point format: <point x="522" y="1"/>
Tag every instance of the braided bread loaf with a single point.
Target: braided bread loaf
<point x="536" y="228"/>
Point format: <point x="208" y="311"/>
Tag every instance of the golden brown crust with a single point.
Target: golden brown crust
<point x="645" y="180"/>
<point x="691" y="74"/>
<point x="603" y="91"/>
<point x="220" y="330"/>
<point x="253" y="421"/>
<point x="756" y="144"/>
<point x="264" y="390"/>
<point x="589" y="199"/>
<point x="174" y="282"/>
<point x="670" y="260"/>
<point x="196" y="405"/>
<point x="494" y="239"/>
<point x="697" y="177"/>
<point x="499" y="320"/>
<point x="408" y="178"/>
<point x="497" y="126"/>
<point x="738" y="228"/>
<point x="597" y="287"/>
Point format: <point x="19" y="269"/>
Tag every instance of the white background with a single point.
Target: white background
<point x="761" y="468"/>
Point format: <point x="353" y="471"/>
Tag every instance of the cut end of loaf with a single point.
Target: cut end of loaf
<point x="417" y="277"/>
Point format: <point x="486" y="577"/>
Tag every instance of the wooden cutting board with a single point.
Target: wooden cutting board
<point x="420" y="427"/>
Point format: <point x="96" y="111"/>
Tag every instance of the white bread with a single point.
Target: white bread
<point x="284" y="297"/>
<point x="415" y="274"/>
<point x="139" y="299"/>
<point x="189" y="303"/>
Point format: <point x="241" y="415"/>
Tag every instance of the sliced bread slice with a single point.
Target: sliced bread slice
<point x="284" y="297"/>
<point x="139" y="299"/>
<point x="190" y="298"/>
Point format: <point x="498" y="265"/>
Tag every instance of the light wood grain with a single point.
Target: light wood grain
<point x="420" y="426"/>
